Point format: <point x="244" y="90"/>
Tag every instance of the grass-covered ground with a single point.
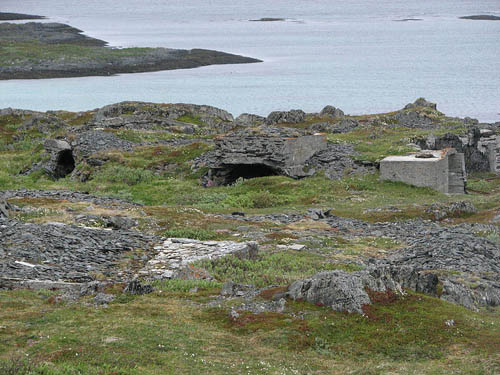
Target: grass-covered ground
<point x="172" y="332"/>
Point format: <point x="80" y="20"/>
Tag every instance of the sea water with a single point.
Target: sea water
<point x="357" y="55"/>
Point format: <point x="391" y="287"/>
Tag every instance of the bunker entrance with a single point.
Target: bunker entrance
<point x="229" y="174"/>
<point x="65" y="164"/>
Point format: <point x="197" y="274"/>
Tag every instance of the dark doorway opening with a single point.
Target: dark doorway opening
<point x="65" y="164"/>
<point x="229" y="174"/>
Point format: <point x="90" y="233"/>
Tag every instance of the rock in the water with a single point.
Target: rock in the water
<point x="332" y="112"/>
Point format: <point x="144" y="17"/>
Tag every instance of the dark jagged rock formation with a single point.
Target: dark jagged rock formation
<point x="63" y="252"/>
<point x="480" y="152"/>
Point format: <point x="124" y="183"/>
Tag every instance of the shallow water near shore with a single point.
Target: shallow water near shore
<point x="351" y="54"/>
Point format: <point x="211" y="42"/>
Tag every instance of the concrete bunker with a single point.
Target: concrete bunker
<point x="442" y="170"/>
<point x="258" y="155"/>
<point x="61" y="162"/>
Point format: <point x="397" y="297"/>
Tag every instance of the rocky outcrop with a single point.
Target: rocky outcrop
<point x="412" y="119"/>
<point x="344" y="126"/>
<point x="350" y="292"/>
<point x="332" y="112"/>
<point x="177" y="118"/>
<point x="293" y="116"/>
<point x="337" y="161"/>
<point x="480" y="152"/>
<point x="421" y="102"/>
<point x="43" y="123"/>
<point x="61" y="252"/>
<point x="89" y="143"/>
<point x="247" y="119"/>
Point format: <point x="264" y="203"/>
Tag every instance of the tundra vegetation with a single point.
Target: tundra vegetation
<point x="178" y="328"/>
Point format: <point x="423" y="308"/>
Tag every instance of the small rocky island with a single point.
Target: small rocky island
<point x="49" y="50"/>
<point x="481" y="17"/>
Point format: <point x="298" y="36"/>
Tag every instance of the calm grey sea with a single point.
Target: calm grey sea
<point x="354" y="54"/>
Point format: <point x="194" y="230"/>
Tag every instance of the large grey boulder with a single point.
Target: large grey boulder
<point x="349" y="292"/>
<point x="293" y="116"/>
<point x="332" y="112"/>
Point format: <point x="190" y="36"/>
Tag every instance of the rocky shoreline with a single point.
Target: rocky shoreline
<point x="53" y="50"/>
<point x="18" y="16"/>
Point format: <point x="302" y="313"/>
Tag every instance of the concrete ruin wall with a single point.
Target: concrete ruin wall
<point x="443" y="171"/>
<point x="274" y="155"/>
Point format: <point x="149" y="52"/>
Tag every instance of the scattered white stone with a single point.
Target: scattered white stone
<point x="176" y="253"/>
<point x="450" y="323"/>
<point x="296" y="246"/>
<point x="25" y="264"/>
